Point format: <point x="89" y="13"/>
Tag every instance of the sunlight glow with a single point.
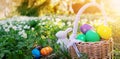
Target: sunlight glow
<point x="115" y="5"/>
<point x="82" y="1"/>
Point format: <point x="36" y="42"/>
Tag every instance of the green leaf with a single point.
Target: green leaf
<point x="2" y="55"/>
<point x="6" y="51"/>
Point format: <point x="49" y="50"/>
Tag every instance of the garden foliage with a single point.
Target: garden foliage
<point x="18" y="37"/>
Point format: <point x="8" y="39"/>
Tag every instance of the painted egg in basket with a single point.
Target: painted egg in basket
<point x="81" y="37"/>
<point x="92" y="36"/>
<point x="84" y="28"/>
<point x="104" y="32"/>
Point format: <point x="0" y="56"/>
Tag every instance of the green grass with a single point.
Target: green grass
<point x="41" y="31"/>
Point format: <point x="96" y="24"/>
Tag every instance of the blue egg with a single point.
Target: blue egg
<point x="36" y="53"/>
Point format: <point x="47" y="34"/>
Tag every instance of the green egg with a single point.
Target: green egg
<point x="92" y="36"/>
<point x="81" y="37"/>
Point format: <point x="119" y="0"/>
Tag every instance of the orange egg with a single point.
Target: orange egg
<point x="46" y="51"/>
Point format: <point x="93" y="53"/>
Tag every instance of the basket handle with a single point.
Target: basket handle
<point x="75" y="27"/>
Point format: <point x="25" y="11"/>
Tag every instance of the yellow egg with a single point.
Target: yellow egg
<point x="105" y="32"/>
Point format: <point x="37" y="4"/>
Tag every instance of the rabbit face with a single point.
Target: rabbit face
<point x="61" y="35"/>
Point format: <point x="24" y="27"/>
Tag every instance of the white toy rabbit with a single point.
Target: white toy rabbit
<point x="62" y="38"/>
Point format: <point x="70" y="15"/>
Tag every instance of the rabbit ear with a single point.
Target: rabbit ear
<point x="57" y="34"/>
<point x="68" y="30"/>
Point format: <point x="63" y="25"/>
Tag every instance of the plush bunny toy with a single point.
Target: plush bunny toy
<point x="62" y="38"/>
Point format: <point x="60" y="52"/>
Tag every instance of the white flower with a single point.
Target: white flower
<point x="20" y="33"/>
<point x="23" y="34"/>
<point x="14" y="27"/>
<point x="69" y="23"/>
<point x="7" y="30"/>
<point x="19" y="27"/>
<point x="10" y="26"/>
<point x="2" y="22"/>
<point x="23" y="22"/>
<point x="26" y="27"/>
<point x="5" y="26"/>
<point x="43" y="18"/>
<point x="43" y="23"/>
<point x="33" y="29"/>
<point x="58" y="19"/>
<point x="63" y="24"/>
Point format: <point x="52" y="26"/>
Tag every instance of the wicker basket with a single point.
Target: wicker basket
<point x="94" y="50"/>
<point x="97" y="50"/>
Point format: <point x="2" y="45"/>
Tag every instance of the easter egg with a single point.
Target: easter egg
<point x="105" y="32"/>
<point x="92" y="36"/>
<point x="36" y="53"/>
<point x="81" y="37"/>
<point x="84" y="28"/>
<point x="46" y="51"/>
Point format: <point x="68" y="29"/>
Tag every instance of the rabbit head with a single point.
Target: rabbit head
<point x="63" y="34"/>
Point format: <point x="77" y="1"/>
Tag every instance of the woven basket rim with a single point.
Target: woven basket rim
<point x="102" y="40"/>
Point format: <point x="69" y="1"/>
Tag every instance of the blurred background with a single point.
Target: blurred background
<point x="10" y="8"/>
